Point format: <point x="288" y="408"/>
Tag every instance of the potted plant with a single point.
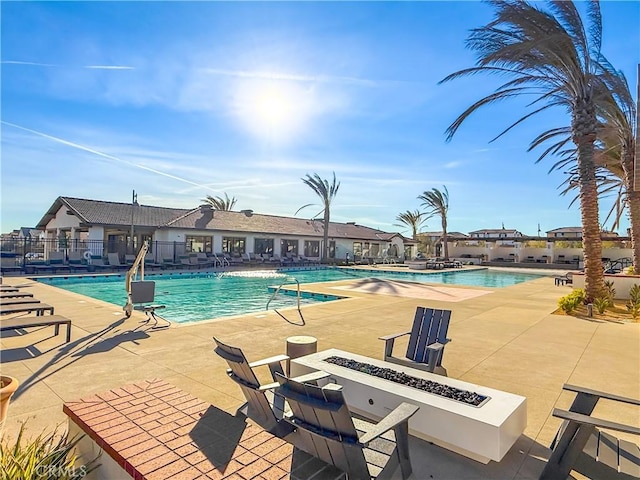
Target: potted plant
<point x="8" y="386"/>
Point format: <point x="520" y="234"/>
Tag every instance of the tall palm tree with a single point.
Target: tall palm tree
<point x="413" y="220"/>
<point x="618" y="111"/>
<point x="327" y="192"/>
<point x="219" y="203"/>
<point x="549" y="57"/>
<point x="438" y="203"/>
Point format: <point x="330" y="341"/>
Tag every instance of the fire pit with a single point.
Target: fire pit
<point x="483" y="432"/>
<point x="429" y="386"/>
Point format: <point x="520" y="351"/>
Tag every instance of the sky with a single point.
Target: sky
<point x="180" y="100"/>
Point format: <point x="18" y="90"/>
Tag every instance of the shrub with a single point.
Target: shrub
<point x="601" y="304"/>
<point x="630" y="270"/>
<point x="570" y="302"/>
<point x="611" y="292"/>
<point x="48" y="456"/>
<point x="633" y="305"/>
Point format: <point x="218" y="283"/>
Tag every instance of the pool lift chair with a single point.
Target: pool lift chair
<point x="141" y="292"/>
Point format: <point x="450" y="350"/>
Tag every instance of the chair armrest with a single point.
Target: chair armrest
<point x="268" y="361"/>
<point x="596" y="422"/>
<point x="400" y="414"/>
<point x="435" y="346"/>
<point x="393" y="336"/>
<point x="608" y="396"/>
<point x="309" y="377"/>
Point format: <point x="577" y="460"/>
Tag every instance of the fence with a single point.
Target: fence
<point x="20" y="252"/>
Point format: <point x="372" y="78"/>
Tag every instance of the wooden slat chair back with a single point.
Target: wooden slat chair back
<point x="326" y="430"/>
<point x="265" y="411"/>
<point x="429" y="326"/>
<point x="427" y="338"/>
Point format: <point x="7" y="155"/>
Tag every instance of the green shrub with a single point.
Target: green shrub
<point x="634" y="295"/>
<point x="611" y="292"/>
<point x="630" y="270"/>
<point x="601" y="304"/>
<point x="570" y="302"/>
<point x="51" y="457"/>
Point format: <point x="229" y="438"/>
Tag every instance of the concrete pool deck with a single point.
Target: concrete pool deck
<point x="508" y="340"/>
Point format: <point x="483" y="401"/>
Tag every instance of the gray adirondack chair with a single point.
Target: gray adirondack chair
<point x="428" y="336"/>
<point x="262" y="406"/>
<point x="580" y="438"/>
<point x="325" y="429"/>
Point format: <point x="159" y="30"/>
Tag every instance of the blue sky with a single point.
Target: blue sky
<point x="182" y="100"/>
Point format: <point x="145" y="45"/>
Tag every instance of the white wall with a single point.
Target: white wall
<point x="62" y="220"/>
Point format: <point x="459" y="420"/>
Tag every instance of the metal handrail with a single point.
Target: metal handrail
<point x="278" y="290"/>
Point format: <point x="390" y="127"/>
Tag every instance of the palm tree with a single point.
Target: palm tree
<point x="438" y="203"/>
<point x="414" y="220"/>
<point x="549" y="56"/>
<point x="219" y="203"/>
<point x="327" y="192"/>
<point x="618" y="111"/>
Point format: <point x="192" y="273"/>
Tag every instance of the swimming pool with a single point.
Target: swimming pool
<point x="191" y="297"/>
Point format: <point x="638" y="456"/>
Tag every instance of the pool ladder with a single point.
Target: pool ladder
<point x="277" y="290"/>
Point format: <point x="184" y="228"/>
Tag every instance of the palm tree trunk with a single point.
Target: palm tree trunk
<point x="325" y="247"/>
<point x="591" y="240"/>
<point x="633" y="201"/>
<point x="444" y="238"/>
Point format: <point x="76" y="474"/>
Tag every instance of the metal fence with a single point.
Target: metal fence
<point x="22" y="251"/>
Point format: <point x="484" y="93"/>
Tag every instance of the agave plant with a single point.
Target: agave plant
<point x="49" y="456"/>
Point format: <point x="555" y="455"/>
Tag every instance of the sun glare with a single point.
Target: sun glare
<point x="273" y="110"/>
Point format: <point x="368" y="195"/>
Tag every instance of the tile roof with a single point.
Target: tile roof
<point x="247" y="221"/>
<point x="97" y="212"/>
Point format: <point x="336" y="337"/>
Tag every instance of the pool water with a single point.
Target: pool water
<point x="193" y="297"/>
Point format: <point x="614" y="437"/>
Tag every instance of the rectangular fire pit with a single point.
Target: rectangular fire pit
<point x="484" y="432"/>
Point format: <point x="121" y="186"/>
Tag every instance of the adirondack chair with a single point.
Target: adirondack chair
<point x="580" y="434"/>
<point x="325" y="429"/>
<point x="262" y="406"/>
<point x="428" y="336"/>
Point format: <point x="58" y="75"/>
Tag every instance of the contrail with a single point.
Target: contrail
<point x="106" y="155"/>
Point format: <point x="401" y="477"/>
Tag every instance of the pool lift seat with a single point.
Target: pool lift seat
<point x="141" y="293"/>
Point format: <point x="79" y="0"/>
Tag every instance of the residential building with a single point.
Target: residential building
<point x="102" y="227"/>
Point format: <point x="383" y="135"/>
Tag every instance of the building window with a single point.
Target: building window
<point x="263" y="245"/>
<point x="332" y="249"/>
<point x="148" y="239"/>
<point x="357" y="248"/>
<point x="234" y="245"/>
<point x="289" y="247"/>
<point x="199" y="244"/>
<point x="311" y="248"/>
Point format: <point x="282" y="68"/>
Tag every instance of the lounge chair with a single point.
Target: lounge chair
<point x="428" y="336"/>
<point x="221" y="260"/>
<point x="8" y="263"/>
<point x="9" y="289"/>
<point x="204" y="261"/>
<point x="18" y="323"/>
<point x="566" y="279"/>
<point x="77" y="262"/>
<point x="150" y="263"/>
<point x="7" y="294"/>
<point x="129" y="259"/>
<point x="580" y="440"/>
<point x="325" y="429"/>
<point x="114" y="262"/>
<point x="97" y="263"/>
<point x="169" y="263"/>
<point x="185" y="262"/>
<point x="39" y="308"/>
<point x="18" y="301"/>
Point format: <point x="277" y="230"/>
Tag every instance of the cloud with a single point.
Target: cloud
<point x="34" y="64"/>
<point x="109" y="67"/>
<point x="454" y="164"/>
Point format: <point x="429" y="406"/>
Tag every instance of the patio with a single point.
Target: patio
<point x="506" y="340"/>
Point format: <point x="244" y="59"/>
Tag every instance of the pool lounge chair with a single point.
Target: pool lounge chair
<point x="97" y="264"/>
<point x="19" y="323"/>
<point x="8" y="264"/>
<point x="18" y="300"/>
<point x="114" y="262"/>
<point x="39" y="308"/>
<point x="169" y="263"/>
<point x="77" y="262"/>
<point x="150" y="263"/>
<point x="17" y="294"/>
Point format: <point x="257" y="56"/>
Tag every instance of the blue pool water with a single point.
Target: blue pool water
<point x="198" y="296"/>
